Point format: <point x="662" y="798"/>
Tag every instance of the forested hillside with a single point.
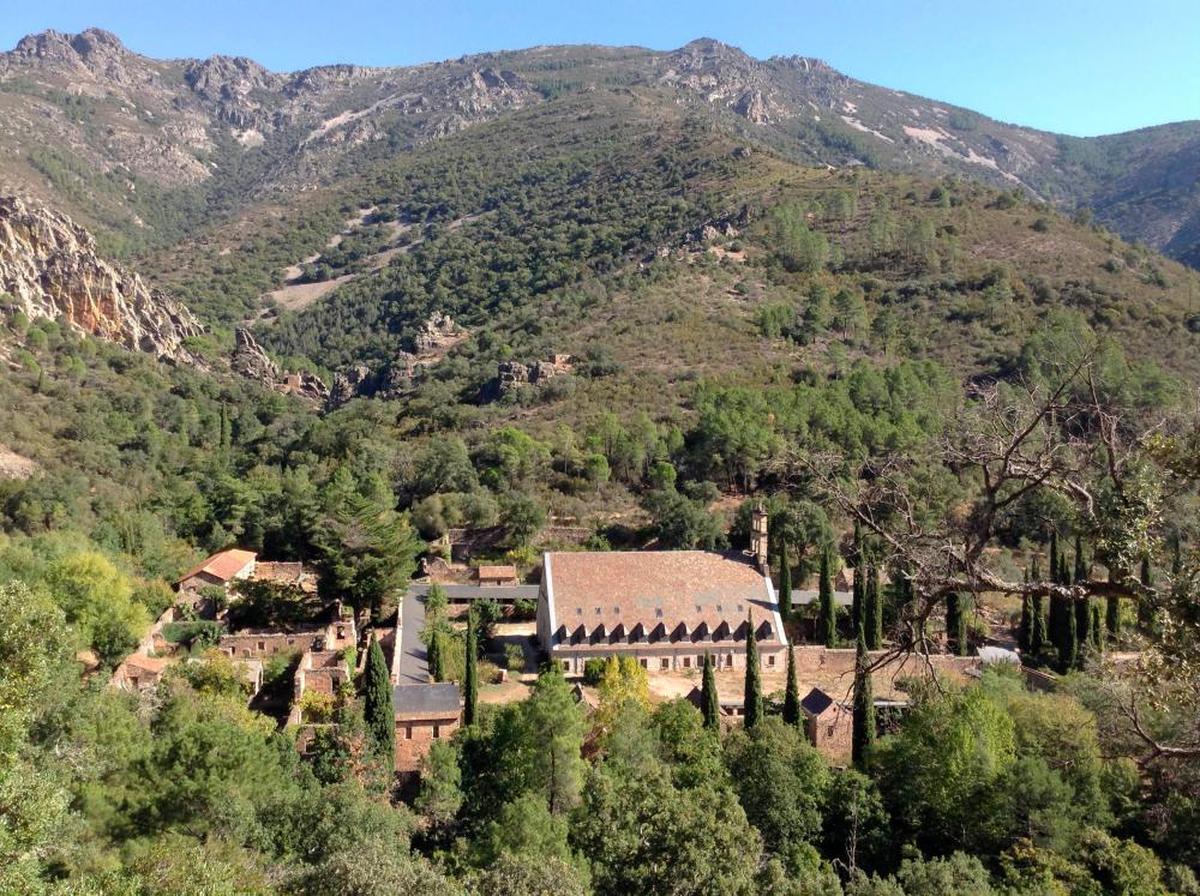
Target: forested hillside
<point x="663" y="288"/>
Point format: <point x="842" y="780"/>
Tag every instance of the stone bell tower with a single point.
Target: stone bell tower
<point x="758" y="539"/>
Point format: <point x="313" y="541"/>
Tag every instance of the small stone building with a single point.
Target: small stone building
<point x="667" y="609"/>
<point x="138" y="672"/>
<point x="497" y="575"/>
<point x="829" y="726"/>
<point x="424" y="713"/>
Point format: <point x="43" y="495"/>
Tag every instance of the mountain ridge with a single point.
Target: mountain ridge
<point x="229" y="126"/>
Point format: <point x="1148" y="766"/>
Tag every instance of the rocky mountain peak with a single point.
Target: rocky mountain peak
<point x="93" y="53"/>
<point x="49" y="267"/>
<point x="725" y="76"/>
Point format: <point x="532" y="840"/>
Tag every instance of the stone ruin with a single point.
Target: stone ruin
<point x="251" y="361"/>
<point x="513" y="375"/>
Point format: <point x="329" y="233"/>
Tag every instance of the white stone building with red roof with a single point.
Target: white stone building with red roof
<point x="665" y="608"/>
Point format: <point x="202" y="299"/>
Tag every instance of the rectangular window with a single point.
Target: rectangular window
<point x="262" y="645"/>
<point x="643" y="664"/>
<point x="687" y="662"/>
<point x="770" y="661"/>
<point x="408" y="732"/>
<point x="830" y="731"/>
<point x="437" y="732"/>
<point x="664" y="664"/>
<point x="566" y="665"/>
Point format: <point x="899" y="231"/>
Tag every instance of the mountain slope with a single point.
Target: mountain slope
<point x="142" y="150"/>
<point x="49" y="269"/>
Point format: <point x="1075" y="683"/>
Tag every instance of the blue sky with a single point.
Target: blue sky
<point x="1064" y="65"/>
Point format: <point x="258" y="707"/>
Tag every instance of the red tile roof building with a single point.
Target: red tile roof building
<point x="666" y="608"/>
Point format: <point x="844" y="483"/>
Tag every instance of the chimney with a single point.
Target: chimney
<point x="758" y="539"/>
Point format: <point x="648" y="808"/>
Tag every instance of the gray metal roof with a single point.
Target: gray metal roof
<point x="429" y="699"/>
<point x="480" y="592"/>
<point x="804" y="598"/>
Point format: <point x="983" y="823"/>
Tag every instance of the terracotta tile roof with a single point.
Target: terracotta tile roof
<point x="147" y="663"/>
<point x="658" y="588"/>
<point x="224" y="565"/>
<point x="497" y="572"/>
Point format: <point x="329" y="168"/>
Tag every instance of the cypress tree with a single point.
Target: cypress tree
<point x="710" y="704"/>
<point x="1068" y="651"/>
<point x="864" y="704"/>
<point x="956" y="625"/>
<point x="1145" y="610"/>
<point x="378" y="711"/>
<point x="785" y="582"/>
<point x="873" y="611"/>
<point x="1025" y="629"/>
<point x="1055" y="627"/>
<point x="1037" y="632"/>
<point x="1083" y="629"/>
<point x="827" y="620"/>
<point x="791" y="696"/>
<point x="1097" y="629"/>
<point x="1082" y="567"/>
<point x="856" y="600"/>
<point x="1112" y="613"/>
<point x="753" y="700"/>
<point x="436" y="653"/>
<point x="471" y="673"/>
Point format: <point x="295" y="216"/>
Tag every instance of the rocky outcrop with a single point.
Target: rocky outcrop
<point x="725" y="76"/>
<point x="393" y="380"/>
<point x="251" y="361"/>
<point x="514" y="375"/>
<point x="50" y="268"/>
<point x="437" y="333"/>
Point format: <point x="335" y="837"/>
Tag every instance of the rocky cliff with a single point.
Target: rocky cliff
<point x="50" y="269"/>
<point x="251" y="361"/>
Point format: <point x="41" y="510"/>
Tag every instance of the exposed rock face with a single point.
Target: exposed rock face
<point x="249" y="360"/>
<point x="439" y="331"/>
<point x="513" y="375"/>
<point x="50" y="266"/>
<point x="726" y="76"/>
<point x="15" y="466"/>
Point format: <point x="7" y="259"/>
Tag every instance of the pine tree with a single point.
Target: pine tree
<point x="753" y="701"/>
<point x="827" y="620"/>
<point x="956" y="625"/>
<point x="873" y="615"/>
<point x="710" y="703"/>
<point x="471" y="673"/>
<point x="785" y="582"/>
<point x="864" y="704"/>
<point x="378" y="711"/>
<point x="791" y="696"/>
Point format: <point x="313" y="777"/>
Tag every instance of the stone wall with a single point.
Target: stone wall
<point x="247" y="644"/>
<point x="414" y="737"/>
